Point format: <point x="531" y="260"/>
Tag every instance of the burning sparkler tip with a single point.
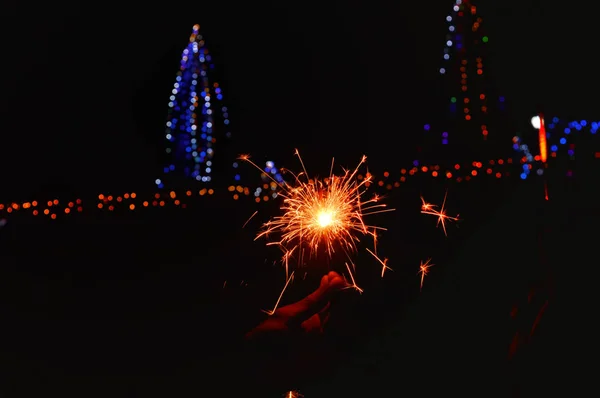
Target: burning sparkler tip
<point x="323" y="215"/>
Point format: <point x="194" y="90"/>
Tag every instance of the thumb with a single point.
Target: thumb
<point x="314" y="302"/>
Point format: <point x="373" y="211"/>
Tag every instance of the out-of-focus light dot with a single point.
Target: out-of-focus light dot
<point x="523" y="176"/>
<point x="427" y="127"/>
<point x="485" y="39"/>
<point x="442" y="70"/>
<point x="563" y="140"/>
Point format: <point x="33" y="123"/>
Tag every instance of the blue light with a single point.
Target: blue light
<point x="427" y="127"/>
<point x="563" y="140"/>
<point x="567" y="131"/>
<point x="554" y="148"/>
<point x="523" y="176"/>
<point x="192" y="127"/>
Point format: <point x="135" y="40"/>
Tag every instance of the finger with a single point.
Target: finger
<point x="315" y="301"/>
<point x="310" y="305"/>
<point x="325" y="309"/>
<point x="324" y="315"/>
<point x="336" y="282"/>
<point x="316" y="322"/>
<point x="312" y="324"/>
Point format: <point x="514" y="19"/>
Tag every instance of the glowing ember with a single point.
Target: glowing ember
<point x="326" y="218"/>
<point x="424" y="270"/>
<point x="428" y="208"/>
<point x="293" y="394"/>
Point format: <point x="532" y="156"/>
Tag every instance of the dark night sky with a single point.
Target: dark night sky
<point x="83" y="96"/>
<point x="84" y="89"/>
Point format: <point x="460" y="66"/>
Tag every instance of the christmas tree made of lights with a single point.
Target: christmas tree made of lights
<point x="196" y="117"/>
<point x="472" y="111"/>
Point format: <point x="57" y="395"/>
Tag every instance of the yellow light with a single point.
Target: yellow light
<point x="325" y="218"/>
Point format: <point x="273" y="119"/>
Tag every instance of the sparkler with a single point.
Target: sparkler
<point x="293" y="394"/>
<point x="325" y="215"/>
<point x="424" y="270"/>
<point x="428" y="208"/>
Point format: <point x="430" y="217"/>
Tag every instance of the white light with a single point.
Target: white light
<point x="535" y="122"/>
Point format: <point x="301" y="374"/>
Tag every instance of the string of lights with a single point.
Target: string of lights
<point x="463" y="63"/>
<point x="559" y="137"/>
<point x="193" y="115"/>
<point x="131" y="201"/>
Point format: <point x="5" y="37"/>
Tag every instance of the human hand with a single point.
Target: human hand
<point x="289" y="349"/>
<point x="307" y="316"/>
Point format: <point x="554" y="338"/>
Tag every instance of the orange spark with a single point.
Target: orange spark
<point x="323" y="215"/>
<point x="251" y="217"/>
<point x="424" y="270"/>
<point x="428" y="208"/>
<point x="271" y="312"/>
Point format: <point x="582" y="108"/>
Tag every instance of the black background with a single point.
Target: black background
<point x="132" y="304"/>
